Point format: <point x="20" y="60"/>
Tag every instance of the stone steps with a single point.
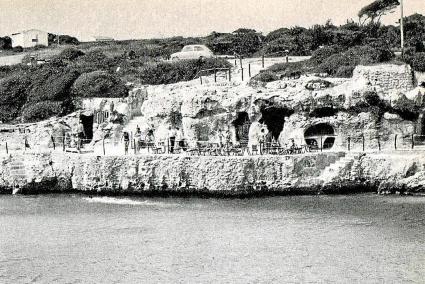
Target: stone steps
<point x="333" y="171"/>
<point x="18" y="170"/>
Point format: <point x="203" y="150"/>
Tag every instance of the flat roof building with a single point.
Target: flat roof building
<point x="30" y="38"/>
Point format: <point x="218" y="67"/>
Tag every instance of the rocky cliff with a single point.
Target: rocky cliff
<point x="259" y="175"/>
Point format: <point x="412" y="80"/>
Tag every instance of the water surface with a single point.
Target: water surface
<point x="325" y="239"/>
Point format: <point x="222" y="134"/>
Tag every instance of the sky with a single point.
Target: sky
<point x="136" y="19"/>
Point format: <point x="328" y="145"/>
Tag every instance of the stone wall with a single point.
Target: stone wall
<point x="386" y="77"/>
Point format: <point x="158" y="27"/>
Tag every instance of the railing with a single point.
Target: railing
<point x="360" y="143"/>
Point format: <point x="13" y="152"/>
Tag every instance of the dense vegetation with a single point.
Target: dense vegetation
<point x="35" y="92"/>
<point x="99" y="69"/>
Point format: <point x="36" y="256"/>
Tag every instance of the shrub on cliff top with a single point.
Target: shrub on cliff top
<point x="417" y="61"/>
<point x="70" y="54"/>
<point x="41" y="110"/>
<point x="13" y="94"/>
<point x="99" y="84"/>
<point x="173" y="72"/>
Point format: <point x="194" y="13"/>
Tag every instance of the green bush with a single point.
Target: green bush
<point x="266" y="77"/>
<point x="13" y="93"/>
<point x="173" y="72"/>
<point x="41" y="110"/>
<point x="70" y="54"/>
<point x="99" y="84"/>
<point x="51" y="83"/>
<point x="417" y="61"/>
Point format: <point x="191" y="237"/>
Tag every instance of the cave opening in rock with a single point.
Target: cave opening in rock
<point x="242" y="125"/>
<point x="274" y="118"/>
<point x="320" y="135"/>
<point x="87" y="121"/>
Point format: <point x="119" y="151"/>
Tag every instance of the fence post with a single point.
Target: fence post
<point x="321" y="143"/>
<point x="363" y="142"/>
<point x="230" y="74"/>
<point x="63" y="143"/>
<point x="395" y="142"/>
<point x="7" y="149"/>
<point x="249" y="70"/>
<point x="53" y="141"/>
<point x="103" y="146"/>
<point x="240" y="60"/>
<point x="242" y="73"/>
<point x="134" y="143"/>
<point x="262" y="61"/>
<point x="236" y="62"/>
<point x="200" y="77"/>
<point x="413" y="141"/>
<point x="349" y="143"/>
<point x="215" y="75"/>
<point x="379" y="144"/>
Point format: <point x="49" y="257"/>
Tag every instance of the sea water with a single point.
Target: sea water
<point x="304" y="239"/>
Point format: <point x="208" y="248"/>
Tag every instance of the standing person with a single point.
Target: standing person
<point x="81" y="134"/>
<point x="138" y="139"/>
<point x="221" y="137"/>
<point x="180" y="139"/>
<point x="172" y="138"/>
<point x="126" y="138"/>
<point x="150" y="139"/>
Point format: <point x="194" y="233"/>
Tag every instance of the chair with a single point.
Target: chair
<point x="254" y="149"/>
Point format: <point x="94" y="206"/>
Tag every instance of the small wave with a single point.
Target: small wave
<point x="126" y="201"/>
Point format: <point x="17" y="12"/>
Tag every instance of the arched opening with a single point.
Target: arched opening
<point x="274" y="118"/>
<point x="320" y="135"/>
<point x="242" y="125"/>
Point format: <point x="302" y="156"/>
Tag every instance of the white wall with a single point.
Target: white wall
<point x="30" y="38"/>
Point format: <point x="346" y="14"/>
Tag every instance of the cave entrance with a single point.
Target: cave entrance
<point x="421" y="122"/>
<point x="320" y="136"/>
<point x="87" y="121"/>
<point x="274" y="119"/>
<point x="242" y="125"/>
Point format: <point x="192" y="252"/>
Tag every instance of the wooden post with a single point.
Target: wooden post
<point x="262" y="61"/>
<point x="249" y="70"/>
<point x="103" y="146"/>
<point x="236" y="62"/>
<point x="53" y="141"/>
<point x="363" y="142"/>
<point x="230" y="74"/>
<point x="240" y="60"/>
<point x="134" y="143"/>
<point x="63" y="143"/>
<point x="200" y="77"/>
<point x="413" y="141"/>
<point x="349" y="143"/>
<point x="215" y="75"/>
<point x="242" y="73"/>
<point x="395" y="142"/>
<point x="7" y="149"/>
<point x="321" y="143"/>
<point x="379" y="144"/>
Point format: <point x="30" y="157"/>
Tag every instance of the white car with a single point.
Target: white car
<point x="193" y="52"/>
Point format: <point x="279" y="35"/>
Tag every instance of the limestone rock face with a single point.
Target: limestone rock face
<point x="201" y="111"/>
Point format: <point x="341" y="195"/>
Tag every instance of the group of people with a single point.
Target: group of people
<point x="175" y="139"/>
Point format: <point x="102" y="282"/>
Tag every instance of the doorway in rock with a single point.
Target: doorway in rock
<point x="242" y="125"/>
<point x="87" y="121"/>
<point x="320" y="135"/>
<point x="274" y="118"/>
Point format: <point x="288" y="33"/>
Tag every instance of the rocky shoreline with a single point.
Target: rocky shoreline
<point x="207" y="176"/>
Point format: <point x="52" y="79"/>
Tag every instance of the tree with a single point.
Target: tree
<point x="376" y="9"/>
<point x="5" y="42"/>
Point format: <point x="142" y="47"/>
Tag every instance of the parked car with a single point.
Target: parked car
<point x="193" y="52"/>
